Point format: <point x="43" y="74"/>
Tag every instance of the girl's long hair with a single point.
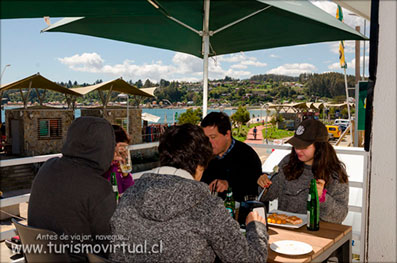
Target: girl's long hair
<point x="325" y="164"/>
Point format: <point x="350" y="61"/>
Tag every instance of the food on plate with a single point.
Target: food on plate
<point x="275" y="218"/>
<point x="294" y="220"/>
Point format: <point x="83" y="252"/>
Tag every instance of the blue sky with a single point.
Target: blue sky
<point x="62" y="57"/>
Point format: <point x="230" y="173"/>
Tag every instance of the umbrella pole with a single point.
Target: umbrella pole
<point x="206" y="41"/>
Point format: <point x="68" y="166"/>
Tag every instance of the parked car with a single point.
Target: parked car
<point x="341" y="121"/>
<point x="334" y="131"/>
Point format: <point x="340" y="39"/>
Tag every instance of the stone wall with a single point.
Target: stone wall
<point x="28" y="124"/>
<point x="113" y="114"/>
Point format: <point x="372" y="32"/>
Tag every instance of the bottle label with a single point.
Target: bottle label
<point x="229" y="194"/>
<point x="230" y="210"/>
<point x="309" y="198"/>
<point x="115" y="189"/>
<point x="308" y="218"/>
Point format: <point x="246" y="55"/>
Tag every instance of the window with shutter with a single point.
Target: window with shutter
<point x="50" y="129"/>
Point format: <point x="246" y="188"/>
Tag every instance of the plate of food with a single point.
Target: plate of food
<point x="291" y="247"/>
<point x="286" y="219"/>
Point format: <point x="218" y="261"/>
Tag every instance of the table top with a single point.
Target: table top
<point x="328" y="235"/>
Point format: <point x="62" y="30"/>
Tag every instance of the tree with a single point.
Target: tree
<point x="139" y="84"/>
<point x="148" y="84"/>
<point x="190" y="116"/>
<point x="164" y="83"/>
<point x="277" y="118"/>
<point x="241" y="116"/>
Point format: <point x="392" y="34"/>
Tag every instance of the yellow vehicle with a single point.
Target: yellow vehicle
<point x="334" y="131"/>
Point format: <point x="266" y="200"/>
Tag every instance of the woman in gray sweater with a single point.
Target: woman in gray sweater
<point x="311" y="157"/>
<point x="170" y="216"/>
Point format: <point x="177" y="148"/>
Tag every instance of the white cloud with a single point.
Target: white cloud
<point x="351" y="64"/>
<point x="240" y="66"/>
<point x="293" y="69"/>
<point x="253" y="63"/>
<point x="233" y="58"/>
<point x="273" y="56"/>
<point x="187" y="63"/>
<point x="183" y="67"/>
<point x="88" y="62"/>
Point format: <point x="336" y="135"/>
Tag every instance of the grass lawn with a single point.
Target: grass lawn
<point x="274" y="133"/>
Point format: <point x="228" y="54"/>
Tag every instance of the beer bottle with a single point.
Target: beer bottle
<point x="313" y="208"/>
<point x="229" y="202"/>
<point x="113" y="181"/>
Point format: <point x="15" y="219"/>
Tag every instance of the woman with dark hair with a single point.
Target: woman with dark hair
<point x="174" y="214"/>
<point x="312" y="156"/>
<point x="124" y="180"/>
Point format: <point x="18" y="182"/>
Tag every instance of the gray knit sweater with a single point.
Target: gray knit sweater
<point x="171" y="218"/>
<point x="292" y="195"/>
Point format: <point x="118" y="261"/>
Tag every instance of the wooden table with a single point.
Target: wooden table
<point x="329" y="239"/>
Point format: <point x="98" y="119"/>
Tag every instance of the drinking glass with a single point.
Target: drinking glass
<point x="125" y="164"/>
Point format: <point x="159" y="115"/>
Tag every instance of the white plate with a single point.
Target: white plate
<point x="291" y="247"/>
<point x="301" y="216"/>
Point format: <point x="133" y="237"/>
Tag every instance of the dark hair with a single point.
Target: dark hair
<point x="185" y="147"/>
<point x="325" y="164"/>
<point x="120" y="134"/>
<point x="218" y="119"/>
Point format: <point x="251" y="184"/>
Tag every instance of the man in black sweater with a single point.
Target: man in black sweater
<point x="235" y="163"/>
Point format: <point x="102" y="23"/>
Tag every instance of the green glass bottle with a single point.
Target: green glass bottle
<point x="113" y="181"/>
<point x="230" y="204"/>
<point x="313" y="208"/>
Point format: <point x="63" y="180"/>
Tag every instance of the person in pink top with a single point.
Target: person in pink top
<point x="124" y="180"/>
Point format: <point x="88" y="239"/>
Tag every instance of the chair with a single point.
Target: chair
<point x="29" y="237"/>
<point x="92" y="258"/>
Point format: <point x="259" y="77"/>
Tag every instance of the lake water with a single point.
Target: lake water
<point x="168" y="114"/>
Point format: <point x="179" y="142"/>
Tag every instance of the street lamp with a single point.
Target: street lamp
<point x="267" y="112"/>
<point x="8" y="65"/>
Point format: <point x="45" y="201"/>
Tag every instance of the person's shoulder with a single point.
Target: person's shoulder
<point x="285" y="160"/>
<point x="245" y="150"/>
<point x="242" y="146"/>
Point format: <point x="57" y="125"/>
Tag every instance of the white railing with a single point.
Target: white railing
<point x="43" y="158"/>
<point x="16" y="200"/>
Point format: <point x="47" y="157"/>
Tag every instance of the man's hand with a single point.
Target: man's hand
<point x="264" y="181"/>
<point x="219" y="185"/>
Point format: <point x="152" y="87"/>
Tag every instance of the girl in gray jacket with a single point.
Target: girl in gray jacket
<point x="311" y="157"/>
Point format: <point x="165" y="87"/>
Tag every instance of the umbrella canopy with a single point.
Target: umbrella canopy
<point x="199" y="27"/>
<point x="149" y="90"/>
<point x="233" y="25"/>
<point x="37" y="81"/>
<point x="118" y="85"/>
<point x="150" y="117"/>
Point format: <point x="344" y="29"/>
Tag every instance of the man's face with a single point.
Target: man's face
<point x="220" y="143"/>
